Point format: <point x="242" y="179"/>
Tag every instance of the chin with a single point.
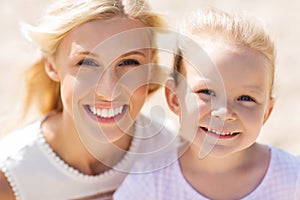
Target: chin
<point x="213" y="150"/>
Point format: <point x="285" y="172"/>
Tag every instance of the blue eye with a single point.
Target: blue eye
<point x="207" y="92"/>
<point x="88" y="62"/>
<point x="246" y="98"/>
<point x="129" y="62"/>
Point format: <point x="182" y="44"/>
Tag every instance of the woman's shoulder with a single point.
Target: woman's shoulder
<point x="6" y="191"/>
<point x="18" y="139"/>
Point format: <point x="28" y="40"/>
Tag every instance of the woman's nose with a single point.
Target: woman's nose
<point x="108" y="87"/>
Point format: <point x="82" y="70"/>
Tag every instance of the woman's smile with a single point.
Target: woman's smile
<point x="106" y="115"/>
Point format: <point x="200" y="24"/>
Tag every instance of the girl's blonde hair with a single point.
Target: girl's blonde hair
<point x="238" y="28"/>
<point x="63" y="16"/>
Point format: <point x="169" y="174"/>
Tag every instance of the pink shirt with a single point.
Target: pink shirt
<point x="281" y="182"/>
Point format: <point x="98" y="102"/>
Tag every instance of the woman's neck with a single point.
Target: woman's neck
<point x="66" y="143"/>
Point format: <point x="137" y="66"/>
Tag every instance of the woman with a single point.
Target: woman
<point x="88" y="87"/>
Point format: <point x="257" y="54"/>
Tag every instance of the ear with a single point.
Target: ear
<point x="171" y="97"/>
<point x="51" y="70"/>
<point x="269" y="109"/>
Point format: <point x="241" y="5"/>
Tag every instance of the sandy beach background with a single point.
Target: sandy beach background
<point x="281" y="17"/>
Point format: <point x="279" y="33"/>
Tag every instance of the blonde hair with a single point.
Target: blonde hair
<point x="63" y="16"/>
<point x="238" y="28"/>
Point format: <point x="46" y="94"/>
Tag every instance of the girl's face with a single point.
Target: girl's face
<point x="101" y="66"/>
<point x="232" y="96"/>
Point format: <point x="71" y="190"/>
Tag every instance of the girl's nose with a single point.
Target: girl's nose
<point x="223" y="113"/>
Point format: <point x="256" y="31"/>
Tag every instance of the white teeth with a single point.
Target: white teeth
<point x="106" y="113"/>
<point x="220" y="132"/>
<point x="102" y="112"/>
<point x="118" y="110"/>
<point x="93" y="109"/>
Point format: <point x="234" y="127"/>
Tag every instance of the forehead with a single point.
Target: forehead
<point x="227" y="63"/>
<point x="115" y="34"/>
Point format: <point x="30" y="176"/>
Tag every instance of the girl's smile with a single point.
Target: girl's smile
<point x="232" y="95"/>
<point x="220" y="134"/>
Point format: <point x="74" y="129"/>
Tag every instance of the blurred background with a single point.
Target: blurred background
<point x="281" y="17"/>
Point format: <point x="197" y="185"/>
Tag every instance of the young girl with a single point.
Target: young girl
<point x="229" y="91"/>
<point x="89" y="86"/>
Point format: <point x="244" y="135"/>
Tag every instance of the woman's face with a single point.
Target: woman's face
<point x="103" y="72"/>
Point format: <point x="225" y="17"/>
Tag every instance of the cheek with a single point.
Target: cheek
<point x="68" y="85"/>
<point x="139" y="95"/>
<point x="192" y="108"/>
<point x="253" y="119"/>
<point x="204" y="107"/>
<point x="137" y="100"/>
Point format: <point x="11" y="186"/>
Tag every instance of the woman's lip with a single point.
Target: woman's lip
<point x="106" y="119"/>
<point x="206" y="131"/>
<point x="106" y="105"/>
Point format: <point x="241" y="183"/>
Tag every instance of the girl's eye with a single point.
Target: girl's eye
<point x="88" y="62"/>
<point x="207" y="92"/>
<point x="129" y="62"/>
<point x="246" y="98"/>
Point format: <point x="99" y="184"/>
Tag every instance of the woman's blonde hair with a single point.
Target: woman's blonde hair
<point x="239" y="28"/>
<point x="63" y="16"/>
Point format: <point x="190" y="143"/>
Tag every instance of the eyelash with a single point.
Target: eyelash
<point x="250" y="99"/>
<point x="129" y="62"/>
<point x="88" y="62"/>
<point x="207" y="92"/>
<point x="91" y="62"/>
<point x="245" y="98"/>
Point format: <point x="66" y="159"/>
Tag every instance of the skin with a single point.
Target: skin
<point x="235" y="102"/>
<point x="5" y="189"/>
<point x="94" y="71"/>
<point x="90" y="77"/>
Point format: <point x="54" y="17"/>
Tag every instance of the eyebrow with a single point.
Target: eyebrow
<point x="85" y="53"/>
<point x="203" y="80"/>
<point x="132" y="53"/>
<point x="200" y="79"/>
<point x="252" y="88"/>
<point x="255" y="89"/>
<point x="88" y="53"/>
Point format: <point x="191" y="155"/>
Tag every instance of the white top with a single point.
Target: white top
<point x="281" y="182"/>
<point x="35" y="172"/>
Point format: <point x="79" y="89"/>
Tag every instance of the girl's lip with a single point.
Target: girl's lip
<point x="220" y="136"/>
<point x="106" y="119"/>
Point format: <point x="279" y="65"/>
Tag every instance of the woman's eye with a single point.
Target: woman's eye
<point x="88" y="62"/>
<point x="246" y="98"/>
<point x="129" y="62"/>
